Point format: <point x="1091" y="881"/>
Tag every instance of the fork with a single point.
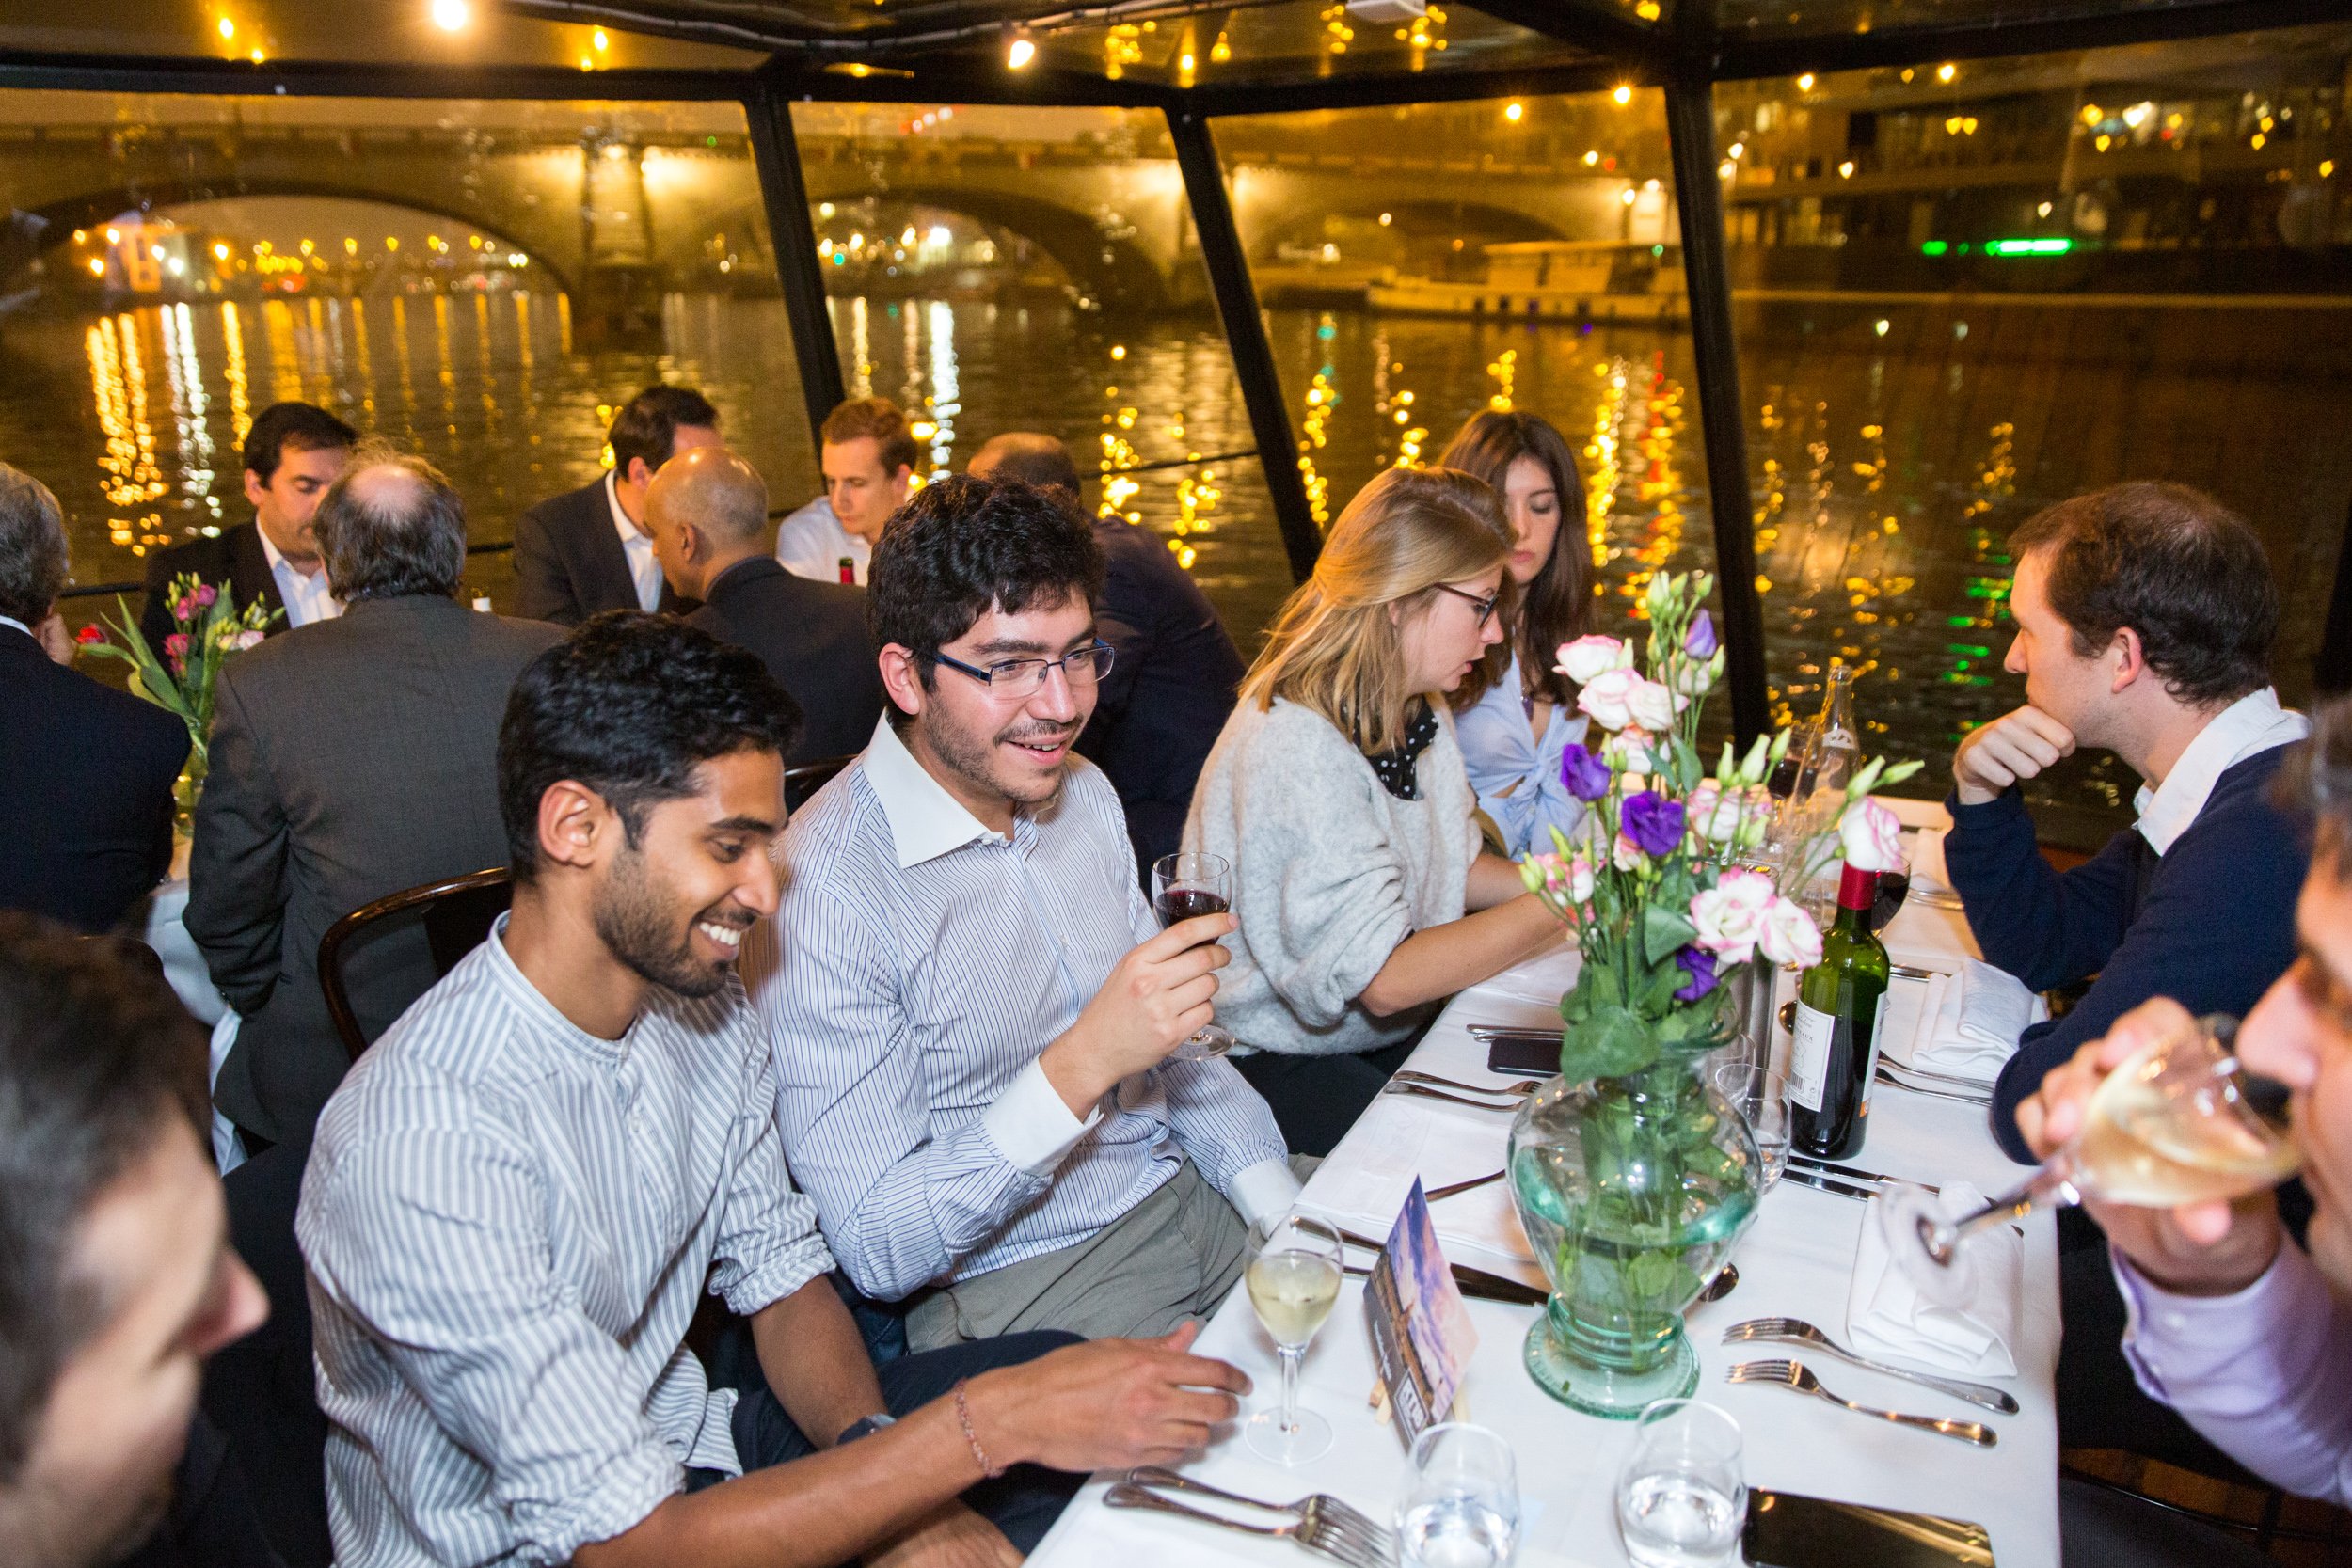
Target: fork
<point x="1795" y="1375"/>
<point x="1509" y="1102"/>
<point x="1413" y="1075"/>
<point x="1343" y="1515"/>
<point x="1317" y="1532"/>
<point x="1796" y="1330"/>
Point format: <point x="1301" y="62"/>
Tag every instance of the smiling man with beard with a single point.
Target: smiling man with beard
<point x="973" y="1006"/>
<point x="520" y="1195"/>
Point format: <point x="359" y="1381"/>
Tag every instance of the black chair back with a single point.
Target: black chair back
<point x="458" y="914"/>
<point x="803" y="779"/>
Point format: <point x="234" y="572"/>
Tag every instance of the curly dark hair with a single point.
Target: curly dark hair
<point x="95" y="1055"/>
<point x="2176" y="567"/>
<point x="629" y="706"/>
<point x="960" y="545"/>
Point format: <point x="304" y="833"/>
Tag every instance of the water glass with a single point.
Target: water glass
<point x="1682" y="1496"/>
<point x="1461" y="1502"/>
<point x="1761" y="1097"/>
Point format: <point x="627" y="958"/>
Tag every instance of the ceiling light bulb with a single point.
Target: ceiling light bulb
<point x="451" y="16"/>
<point x="1019" y="52"/>
<point x="1624" y="95"/>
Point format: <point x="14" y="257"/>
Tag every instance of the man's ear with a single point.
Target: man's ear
<point x="902" y="678"/>
<point x="2130" y="657"/>
<point x="254" y="489"/>
<point x="577" y="826"/>
<point x="638" y="472"/>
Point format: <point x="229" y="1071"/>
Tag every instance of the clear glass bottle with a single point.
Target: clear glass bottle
<point x="1834" y="749"/>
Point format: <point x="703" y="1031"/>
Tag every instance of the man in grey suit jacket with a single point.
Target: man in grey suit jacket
<point x="350" y="758"/>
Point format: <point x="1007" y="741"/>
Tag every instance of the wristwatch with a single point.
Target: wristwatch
<point x="865" y="1426"/>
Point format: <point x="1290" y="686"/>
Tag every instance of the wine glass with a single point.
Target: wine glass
<point x="1293" y="1282"/>
<point x="1461" y="1502"/>
<point x="2179" y="1121"/>
<point x="1184" y="885"/>
<point x="1761" y="1097"/>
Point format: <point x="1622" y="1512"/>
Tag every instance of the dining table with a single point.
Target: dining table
<point x="1796" y="1260"/>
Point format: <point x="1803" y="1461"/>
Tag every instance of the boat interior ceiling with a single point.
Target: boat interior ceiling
<point x="1218" y="57"/>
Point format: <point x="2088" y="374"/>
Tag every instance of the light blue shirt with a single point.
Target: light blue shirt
<point x="918" y="968"/>
<point x="1500" y="751"/>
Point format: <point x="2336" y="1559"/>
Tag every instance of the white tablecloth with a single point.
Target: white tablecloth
<point x="1796" y="1260"/>
<point x="166" y="931"/>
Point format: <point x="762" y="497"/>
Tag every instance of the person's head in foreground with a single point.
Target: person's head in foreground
<point x="640" y="778"/>
<point x="706" y="510"/>
<point x="982" y="599"/>
<point x="2301" y="1034"/>
<point x="1030" y="457"/>
<point x="2142" y="610"/>
<point x="868" y="456"/>
<point x="117" y="1279"/>
<point x="293" y="453"/>
<point x="650" y="429"/>
<point x="392" y="527"/>
<point x="1527" y="464"/>
<point x="1411" y="590"/>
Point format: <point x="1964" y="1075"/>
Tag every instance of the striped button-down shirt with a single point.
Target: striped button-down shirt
<point x="508" y="1223"/>
<point x="920" y="965"/>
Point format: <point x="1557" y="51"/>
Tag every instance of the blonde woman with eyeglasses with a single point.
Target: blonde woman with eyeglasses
<point x="1337" y="792"/>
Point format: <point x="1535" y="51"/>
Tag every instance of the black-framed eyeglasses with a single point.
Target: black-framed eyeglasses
<point x="1485" y="607"/>
<point x="1026" y="677"/>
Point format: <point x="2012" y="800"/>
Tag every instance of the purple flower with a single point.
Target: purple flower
<point x="1585" y="775"/>
<point x="1653" y="823"/>
<point x="1700" y="965"/>
<point x="1699" y="641"/>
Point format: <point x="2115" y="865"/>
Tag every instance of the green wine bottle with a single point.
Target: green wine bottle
<point x="1841" y="1005"/>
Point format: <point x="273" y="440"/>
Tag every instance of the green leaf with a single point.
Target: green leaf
<point x="1657" y="991"/>
<point x="1609" y="1042"/>
<point x="1665" y="928"/>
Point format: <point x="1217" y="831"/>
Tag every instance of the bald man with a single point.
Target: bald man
<point x="1159" y="710"/>
<point x="708" y="511"/>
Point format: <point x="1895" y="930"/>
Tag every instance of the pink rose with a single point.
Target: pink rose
<point x="1627" y="752"/>
<point x="1607" y="697"/>
<point x="246" y="639"/>
<point x="1652" y="705"/>
<point x="1714" y="815"/>
<point x="1626" y="855"/>
<point x="1589" y="656"/>
<point x="1789" y="936"/>
<point x="1730" y="915"/>
<point x="1873" y="837"/>
<point x="206" y="594"/>
<point x="1579" y="881"/>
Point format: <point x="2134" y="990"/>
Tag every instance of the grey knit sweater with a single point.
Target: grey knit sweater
<point x="1330" y="873"/>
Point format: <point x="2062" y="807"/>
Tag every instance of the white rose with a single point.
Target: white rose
<point x="1627" y="855"/>
<point x="1588" y="657"/>
<point x="1873" y="837"/>
<point x="1651" y="704"/>
<point x="1730" y="915"/>
<point x="1606" y="697"/>
<point x="1714" y="815"/>
<point x="1579" y="881"/>
<point x="1789" y="936"/>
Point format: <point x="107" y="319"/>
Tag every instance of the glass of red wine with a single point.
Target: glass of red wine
<point x="1185" y="885"/>
<point x="1893" y="888"/>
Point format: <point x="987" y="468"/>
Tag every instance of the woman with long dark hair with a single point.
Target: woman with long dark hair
<point x="1516" y="714"/>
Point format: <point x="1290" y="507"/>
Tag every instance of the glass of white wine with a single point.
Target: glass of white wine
<point x="1293" y="1282"/>
<point x="2180" y="1121"/>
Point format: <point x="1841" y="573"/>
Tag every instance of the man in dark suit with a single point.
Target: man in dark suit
<point x="350" y="760"/>
<point x="1161" y="708"/>
<point x="293" y="453"/>
<point x="589" y="550"/>
<point x="86" y="772"/>
<point x="709" y="513"/>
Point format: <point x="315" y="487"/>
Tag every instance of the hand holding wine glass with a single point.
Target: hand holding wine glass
<point x="1185" y="886"/>
<point x="2208" y="1247"/>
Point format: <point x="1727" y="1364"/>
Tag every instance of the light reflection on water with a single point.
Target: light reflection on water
<point x="1885" y="477"/>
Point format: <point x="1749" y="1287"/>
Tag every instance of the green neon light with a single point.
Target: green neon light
<point x="2029" y="247"/>
<point x="1935" y="247"/>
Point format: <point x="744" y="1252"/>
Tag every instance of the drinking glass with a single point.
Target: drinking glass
<point x="1682" y="1498"/>
<point x="2179" y="1121"/>
<point x="1184" y="885"/>
<point x="1292" y="1283"/>
<point x="1461" y="1502"/>
<point x="1761" y="1097"/>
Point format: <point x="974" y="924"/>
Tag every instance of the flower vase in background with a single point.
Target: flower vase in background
<point x="1632" y="1176"/>
<point x="181" y="675"/>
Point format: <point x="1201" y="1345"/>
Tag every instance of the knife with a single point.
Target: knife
<point x="1827" y="1183"/>
<point x="1474" y="1282"/>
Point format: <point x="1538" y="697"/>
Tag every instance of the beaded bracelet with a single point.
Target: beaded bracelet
<point x="963" y="1415"/>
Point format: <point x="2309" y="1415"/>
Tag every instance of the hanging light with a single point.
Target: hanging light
<point x="1019" y="52"/>
<point x="451" y="16"/>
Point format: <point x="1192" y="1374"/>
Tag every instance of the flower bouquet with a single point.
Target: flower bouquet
<point x="209" y="628"/>
<point x="1632" y="1176"/>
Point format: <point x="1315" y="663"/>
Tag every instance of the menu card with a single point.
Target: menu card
<point x="1421" y="1337"/>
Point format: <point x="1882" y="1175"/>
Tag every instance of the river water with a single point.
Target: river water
<point x="1891" y="451"/>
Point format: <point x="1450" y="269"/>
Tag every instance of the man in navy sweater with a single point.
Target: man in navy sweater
<point x="2145" y="615"/>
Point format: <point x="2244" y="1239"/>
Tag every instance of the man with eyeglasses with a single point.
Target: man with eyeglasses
<point x="969" y="1001"/>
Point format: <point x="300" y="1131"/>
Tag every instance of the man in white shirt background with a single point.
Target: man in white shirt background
<point x="588" y="550"/>
<point x="869" y="455"/>
<point x="293" y="453"/>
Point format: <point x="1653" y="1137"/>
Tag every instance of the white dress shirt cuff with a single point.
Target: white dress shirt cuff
<point x="1263" y="1192"/>
<point x="1031" y="1127"/>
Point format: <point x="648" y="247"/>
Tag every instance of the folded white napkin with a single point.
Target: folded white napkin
<point x="1400" y="1136"/>
<point x="1887" y="1317"/>
<point x="1966" y="1023"/>
<point x="1927" y="861"/>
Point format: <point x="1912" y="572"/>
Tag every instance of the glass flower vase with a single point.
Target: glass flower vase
<point x="1634" y="1192"/>
<point x="188" y="788"/>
